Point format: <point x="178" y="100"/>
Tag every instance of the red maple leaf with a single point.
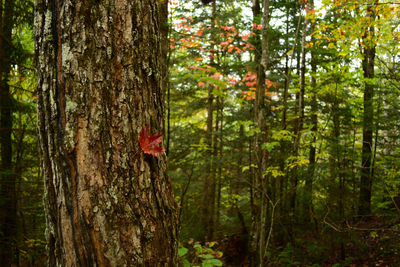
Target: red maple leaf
<point x="149" y="143"/>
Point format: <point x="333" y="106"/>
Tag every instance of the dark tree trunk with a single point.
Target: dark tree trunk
<point x="164" y="63"/>
<point x="297" y="131"/>
<point x="220" y="159"/>
<point x="8" y="201"/>
<point x="99" y="84"/>
<point x="368" y="64"/>
<point x="308" y="190"/>
<point x="208" y="193"/>
<point x="209" y="176"/>
<point x="284" y="146"/>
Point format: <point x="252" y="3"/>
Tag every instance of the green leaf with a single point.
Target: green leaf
<point x="182" y="251"/>
<point x="267" y="146"/>
<point x="212" y="262"/>
<point x="206" y="256"/>
<point x="198" y="248"/>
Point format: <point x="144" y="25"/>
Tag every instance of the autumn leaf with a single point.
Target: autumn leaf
<point x="149" y="143"/>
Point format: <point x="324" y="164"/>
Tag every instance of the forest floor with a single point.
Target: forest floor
<point x="378" y="244"/>
<point x="375" y="242"/>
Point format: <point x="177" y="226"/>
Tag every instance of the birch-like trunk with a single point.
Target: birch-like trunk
<point x="259" y="185"/>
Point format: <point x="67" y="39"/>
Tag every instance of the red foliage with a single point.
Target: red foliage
<point x="149" y="143"/>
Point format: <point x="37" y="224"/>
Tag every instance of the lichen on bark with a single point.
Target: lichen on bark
<point x="107" y="203"/>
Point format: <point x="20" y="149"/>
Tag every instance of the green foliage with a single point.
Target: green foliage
<point x="198" y="255"/>
<point x="285" y="257"/>
<point x="25" y="161"/>
<point x="31" y="250"/>
<point x="216" y="53"/>
<point x="336" y="37"/>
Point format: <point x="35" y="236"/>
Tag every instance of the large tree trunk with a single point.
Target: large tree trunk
<point x="99" y="84"/>
<point x="8" y="207"/>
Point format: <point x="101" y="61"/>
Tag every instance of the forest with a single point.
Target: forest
<point x="200" y="133"/>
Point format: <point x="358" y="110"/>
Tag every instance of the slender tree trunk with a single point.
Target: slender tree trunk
<point x="297" y="131"/>
<point x="219" y="154"/>
<point x="283" y="180"/>
<point x="260" y="190"/>
<point x="368" y="64"/>
<point x="354" y="171"/>
<point x="209" y="178"/>
<point x="337" y="167"/>
<point x="99" y="84"/>
<point x="208" y="193"/>
<point x="255" y="183"/>
<point x="164" y="63"/>
<point x="213" y="174"/>
<point x="308" y="190"/>
<point x="8" y="201"/>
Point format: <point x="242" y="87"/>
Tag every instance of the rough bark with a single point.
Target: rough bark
<point x="99" y="84"/>
<point x="8" y="201"/>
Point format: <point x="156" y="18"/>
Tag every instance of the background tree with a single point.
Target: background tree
<point x="21" y="218"/>
<point x="368" y="65"/>
<point x="8" y="202"/>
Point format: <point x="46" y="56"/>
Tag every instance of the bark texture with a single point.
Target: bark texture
<point x="99" y="84"/>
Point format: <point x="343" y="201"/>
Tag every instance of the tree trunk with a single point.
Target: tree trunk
<point x="283" y="153"/>
<point x="99" y="84"/>
<point x="208" y="193"/>
<point x="308" y="190"/>
<point x="218" y="156"/>
<point x="8" y="201"/>
<point x="297" y="131"/>
<point x="368" y="64"/>
<point x="258" y="236"/>
<point x="164" y="63"/>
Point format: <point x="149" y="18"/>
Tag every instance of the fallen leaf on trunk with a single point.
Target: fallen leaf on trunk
<point x="149" y="144"/>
